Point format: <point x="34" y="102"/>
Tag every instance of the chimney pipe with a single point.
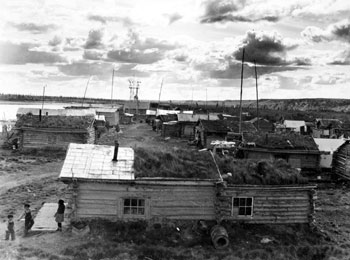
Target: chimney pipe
<point x="115" y="156"/>
<point x="39" y="114"/>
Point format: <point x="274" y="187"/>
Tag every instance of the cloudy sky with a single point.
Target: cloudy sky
<point x="301" y="48"/>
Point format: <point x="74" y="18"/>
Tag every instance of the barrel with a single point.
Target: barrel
<point x="219" y="237"/>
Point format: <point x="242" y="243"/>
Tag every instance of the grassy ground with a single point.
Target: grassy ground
<point x="29" y="178"/>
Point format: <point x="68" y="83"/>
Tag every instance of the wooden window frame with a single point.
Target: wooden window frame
<point x="235" y="203"/>
<point x="136" y="207"/>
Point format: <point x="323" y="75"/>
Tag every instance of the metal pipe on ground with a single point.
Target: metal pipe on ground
<point x="219" y="237"/>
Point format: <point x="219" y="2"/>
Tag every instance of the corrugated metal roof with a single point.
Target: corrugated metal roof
<point x="194" y="118"/>
<point x="294" y="123"/>
<point x="56" y="112"/>
<point x="88" y="161"/>
<point x="107" y="109"/>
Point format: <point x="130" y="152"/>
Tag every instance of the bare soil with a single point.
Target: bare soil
<point x="28" y="178"/>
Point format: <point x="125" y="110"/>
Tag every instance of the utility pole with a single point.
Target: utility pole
<point x="240" y="100"/>
<point x="257" y="97"/>
<point x="87" y="84"/>
<point x="160" y="92"/>
<point x="42" y="105"/>
<point x="112" y="87"/>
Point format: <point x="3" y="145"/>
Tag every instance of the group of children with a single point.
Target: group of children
<point x="29" y="222"/>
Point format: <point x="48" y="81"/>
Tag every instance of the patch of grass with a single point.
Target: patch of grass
<point x="175" y="163"/>
<point x="260" y="172"/>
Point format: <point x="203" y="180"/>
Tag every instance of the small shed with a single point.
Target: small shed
<point x="327" y="128"/>
<point x="341" y="161"/>
<point x="300" y="151"/>
<point x="171" y="129"/>
<point x="111" y="114"/>
<point x="100" y="187"/>
<point x="188" y="122"/>
<point x="54" y="128"/>
<point x="297" y="126"/>
<point x="136" y="107"/>
<point x="327" y="147"/>
<point x="207" y="131"/>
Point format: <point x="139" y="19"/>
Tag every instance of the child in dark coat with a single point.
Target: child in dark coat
<point x="28" y="219"/>
<point x="59" y="215"/>
<point x="10" y="232"/>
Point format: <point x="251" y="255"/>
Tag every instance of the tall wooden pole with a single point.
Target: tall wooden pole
<point x="240" y="100"/>
<point x="112" y="88"/>
<point x="257" y="97"/>
<point x="42" y="105"/>
<point x="160" y="92"/>
<point x="87" y="84"/>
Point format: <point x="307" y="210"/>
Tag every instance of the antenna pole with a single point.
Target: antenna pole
<point x="160" y="91"/>
<point x="112" y="87"/>
<point x="87" y="84"/>
<point x="240" y="100"/>
<point x="257" y="97"/>
<point x="42" y="106"/>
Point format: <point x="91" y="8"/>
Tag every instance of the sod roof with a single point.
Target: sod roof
<point x="175" y="163"/>
<point x="180" y="163"/>
<point x="56" y="121"/>
<point x="289" y="141"/>
<point x="254" y="172"/>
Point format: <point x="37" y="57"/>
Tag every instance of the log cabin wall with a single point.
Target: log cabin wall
<point x="341" y="161"/>
<point x="51" y="138"/>
<point x="266" y="204"/>
<point x="150" y="202"/>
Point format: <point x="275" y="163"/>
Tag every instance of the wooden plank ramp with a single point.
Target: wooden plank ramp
<point x="45" y="220"/>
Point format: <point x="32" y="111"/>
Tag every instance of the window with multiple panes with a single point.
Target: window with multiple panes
<point x="244" y="205"/>
<point x="134" y="206"/>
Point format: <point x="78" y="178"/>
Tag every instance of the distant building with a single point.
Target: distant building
<point x="300" y="151"/>
<point x="136" y="107"/>
<point x="54" y="128"/>
<point x="112" y="115"/>
<point x="296" y="126"/>
<point x="327" y="128"/>
<point x="188" y="122"/>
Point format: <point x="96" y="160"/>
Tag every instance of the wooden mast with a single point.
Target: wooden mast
<point x="112" y="88"/>
<point x="240" y="100"/>
<point x="42" y="105"/>
<point x="257" y="97"/>
<point x="87" y="84"/>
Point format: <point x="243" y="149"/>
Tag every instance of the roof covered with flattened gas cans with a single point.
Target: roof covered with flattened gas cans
<point x="95" y="162"/>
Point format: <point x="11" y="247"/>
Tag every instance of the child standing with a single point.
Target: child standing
<point x="28" y="219"/>
<point x="10" y="232"/>
<point x="59" y="215"/>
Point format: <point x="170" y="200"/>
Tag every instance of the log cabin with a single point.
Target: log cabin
<point x="111" y="115"/>
<point x="341" y="161"/>
<point x="298" y="150"/>
<point x="54" y="128"/>
<point x="208" y="131"/>
<point x="108" y="182"/>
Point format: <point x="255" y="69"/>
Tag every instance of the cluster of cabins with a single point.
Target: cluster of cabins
<point x="310" y="146"/>
<point x="102" y="181"/>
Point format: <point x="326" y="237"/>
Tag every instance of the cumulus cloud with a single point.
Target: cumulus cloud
<point x="101" y="70"/>
<point x="95" y="39"/>
<point x="33" y="27"/>
<point x="93" y="55"/>
<point x="341" y="58"/>
<point x="23" y="53"/>
<point x="174" y="17"/>
<point x="264" y="48"/>
<point x="136" y="49"/>
<point x="338" y="31"/>
<point x="56" y="40"/>
<point x="233" y="11"/>
<point x="126" y="21"/>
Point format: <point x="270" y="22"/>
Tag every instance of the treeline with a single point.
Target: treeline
<point x="59" y="99"/>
